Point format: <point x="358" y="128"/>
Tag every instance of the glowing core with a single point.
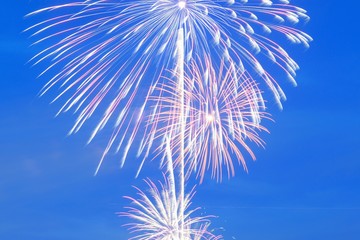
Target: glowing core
<point x="209" y="118"/>
<point x="182" y="4"/>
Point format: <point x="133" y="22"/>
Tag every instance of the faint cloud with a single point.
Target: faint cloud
<point x="31" y="167"/>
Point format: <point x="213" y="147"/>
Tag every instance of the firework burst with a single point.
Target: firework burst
<point x="223" y="113"/>
<point x="157" y="216"/>
<point x="106" y="52"/>
<point x="106" y="48"/>
<point x="161" y="214"/>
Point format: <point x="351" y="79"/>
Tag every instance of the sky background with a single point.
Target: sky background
<point x="304" y="185"/>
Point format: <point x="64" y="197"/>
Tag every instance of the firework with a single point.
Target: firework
<point x="109" y="50"/>
<point x="223" y="112"/>
<point x="159" y="215"/>
<point x="106" y="52"/>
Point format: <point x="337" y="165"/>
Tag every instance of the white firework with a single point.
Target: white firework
<point x="107" y="51"/>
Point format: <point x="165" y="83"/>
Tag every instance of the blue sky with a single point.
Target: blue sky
<point x="304" y="185"/>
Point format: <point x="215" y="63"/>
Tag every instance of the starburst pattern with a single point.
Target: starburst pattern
<point x="161" y="214"/>
<point x="106" y="48"/>
<point x="157" y="216"/>
<point x="198" y="63"/>
<point x="223" y="112"/>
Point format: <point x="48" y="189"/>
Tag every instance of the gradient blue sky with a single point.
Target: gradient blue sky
<point x="304" y="186"/>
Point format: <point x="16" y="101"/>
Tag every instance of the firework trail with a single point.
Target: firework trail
<point x="159" y="215"/>
<point x="108" y="51"/>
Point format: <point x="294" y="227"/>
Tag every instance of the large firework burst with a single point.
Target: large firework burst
<point x="104" y="49"/>
<point x="106" y="52"/>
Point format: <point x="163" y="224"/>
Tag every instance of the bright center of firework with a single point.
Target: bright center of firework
<point x="182" y="4"/>
<point x="209" y="118"/>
